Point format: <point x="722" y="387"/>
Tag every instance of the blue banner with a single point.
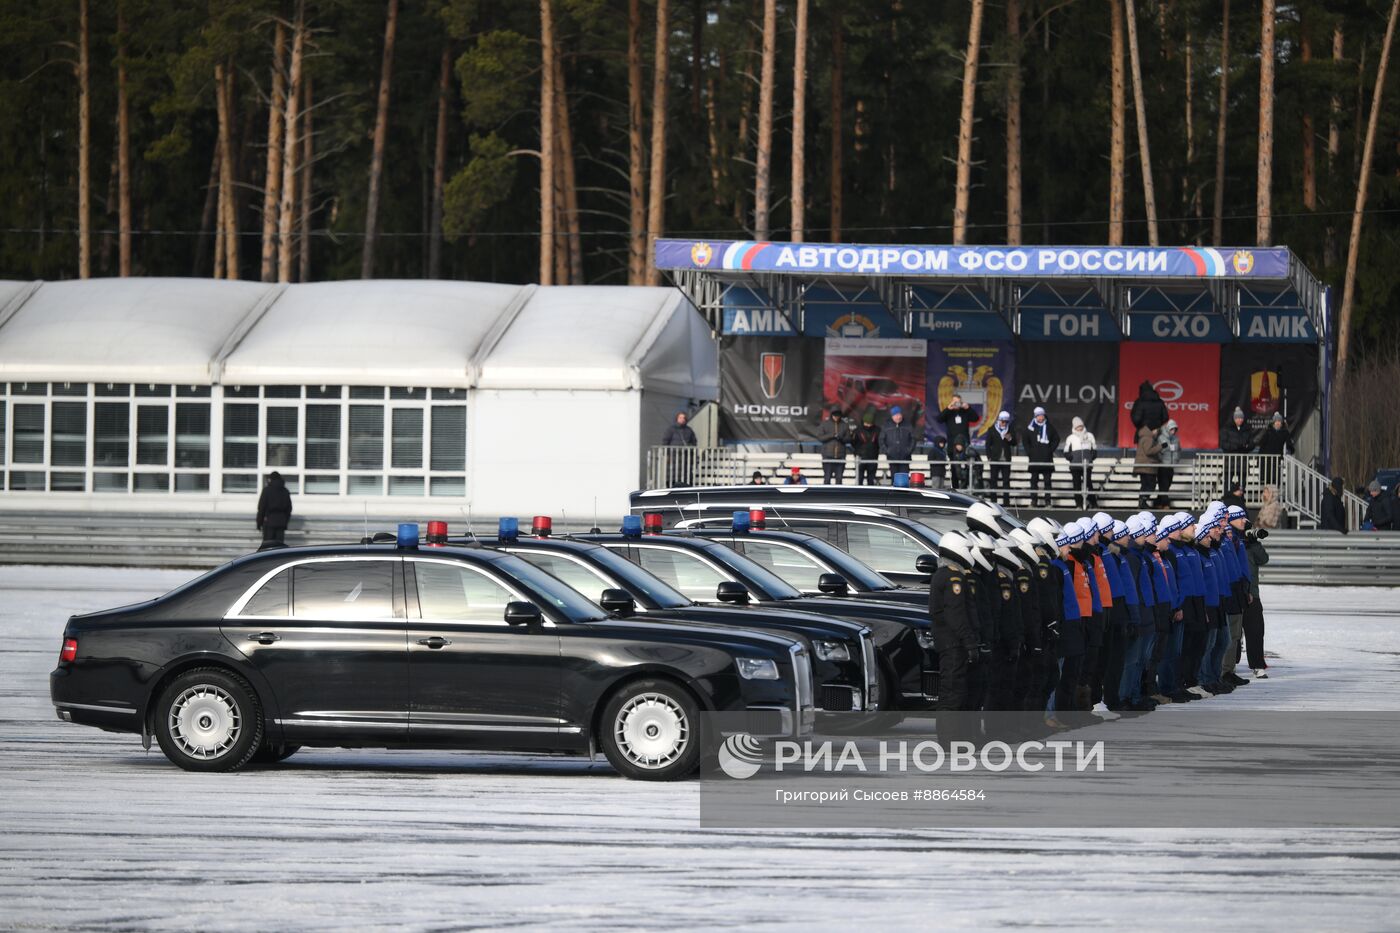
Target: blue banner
<point x="1178" y="262"/>
<point x="1068" y="324"/>
<point x="1175" y="327"/>
<point x="1276" y="325"/>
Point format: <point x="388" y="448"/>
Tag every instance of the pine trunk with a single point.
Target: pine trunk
<point x="123" y="153"/>
<point x="712" y="134"/>
<point x="1309" y="149"/>
<point x="798" y="201"/>
<point x="1334" y="148"/>
<point x="546" y="142"/>
<point x="381" y="133"/>
<point x="1217" y="227"/>
<point x="763" y="161"/>
<point x="1118" y="142"/>
<point x="636" y="153"/>
<point x="1263" y="205"/>
<point x="838" y="142"/>
<point x="439" y="165"/>
<point x="84" y="147"/>
<point x="962" y="189"/>
<point x="1362" y="186"/>
<point x="223" y="89"/>
<point x="272" y="185"/>
<point x="207" y="222"/>
<point x="308" y="153"/>
<point x="1149" y="189"/>
<point x="568" y="179"/>
<point x="291" y="150"/>
<point x="1014" y="212"/>
<point x="1190" y="192"/>
<point x="656" y="195"/>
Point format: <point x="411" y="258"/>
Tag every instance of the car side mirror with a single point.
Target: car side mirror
<point x="832" y="584"/>
<point x="618" y="602"/>
<point x="732" y="591"/>
<point x="926" y="564"/>
<point x="522" y="613"/>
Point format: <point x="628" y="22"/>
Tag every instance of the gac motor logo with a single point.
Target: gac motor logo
<point x="701" y="254"/>
<point x="1243" y="261"/>
<point x="1169" y="390"/>
<point x="770" y="373"/>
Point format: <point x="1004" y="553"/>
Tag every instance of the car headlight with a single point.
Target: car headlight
<point x="926" y="639"/>
<point x="832" y="650"/>
<point x="757" y="668"/>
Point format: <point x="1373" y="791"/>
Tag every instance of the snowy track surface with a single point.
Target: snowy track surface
<point x="97" y="834"/>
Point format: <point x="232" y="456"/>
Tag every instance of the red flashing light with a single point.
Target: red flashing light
<point x="437" y="534"/>
<point x="916" y="479"/>
<point x="70" y="650"/>
<point x="541" y="526"/>
<point x="651" y="523"/>
<point x="757" y="520"/>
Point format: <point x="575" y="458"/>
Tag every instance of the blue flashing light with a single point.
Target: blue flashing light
<point x="901" y="480"/>
<point x="408" y="534"/>
<point x="632" y="526"/>
<point x="741" y="521"/>
<point x="508" y="529"/>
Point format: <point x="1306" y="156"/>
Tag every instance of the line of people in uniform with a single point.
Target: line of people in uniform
<point x="1098" y="616"/>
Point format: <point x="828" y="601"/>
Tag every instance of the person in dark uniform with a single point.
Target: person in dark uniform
<point x="1257" y="556"/>
<point x="1010" y="632"/>
<point x="274" y="511"/>
<point x="982" y="579"/>
<point x="953" y="623"/>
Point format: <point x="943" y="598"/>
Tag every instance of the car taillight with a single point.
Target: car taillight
<point x="70" y="650"/>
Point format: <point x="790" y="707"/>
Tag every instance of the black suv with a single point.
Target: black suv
<point x="385" y="645"/>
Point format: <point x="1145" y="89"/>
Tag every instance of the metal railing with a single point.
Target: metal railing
<point x="1330" y="558"/>
<point x="1300" y="488"/>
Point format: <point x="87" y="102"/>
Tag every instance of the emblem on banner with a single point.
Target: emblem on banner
<point x="853" y="325"/>
<point x="1263" y="392"/>
<point x="1243" y="261"/>
<point x="770" y="373"/>
<point x="979" y="387"/>
<point x="701" y="254"/>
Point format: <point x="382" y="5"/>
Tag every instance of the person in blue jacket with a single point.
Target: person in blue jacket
<point x="1143" y="631"/>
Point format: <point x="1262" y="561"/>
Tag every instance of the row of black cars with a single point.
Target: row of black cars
<point x="772" y="608"/>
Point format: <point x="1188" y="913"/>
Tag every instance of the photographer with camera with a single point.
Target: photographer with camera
<point x="1257" y="556"/>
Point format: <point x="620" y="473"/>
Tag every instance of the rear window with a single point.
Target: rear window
<point x="348" y="590"/>
<point x="272" y="598"/>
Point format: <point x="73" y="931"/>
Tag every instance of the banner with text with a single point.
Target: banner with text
<point x="867" y="374"/>
<point x="982" y="373"/>
<point x="1186" y="375"/>
<point x="1069" y="379"/>
<point x="769" y="388"/>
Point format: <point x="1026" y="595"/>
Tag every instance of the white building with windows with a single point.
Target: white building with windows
<point x="392" y="397"/>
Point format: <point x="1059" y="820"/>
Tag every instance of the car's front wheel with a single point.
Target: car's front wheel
<point x="209" y="719"/>
<point x="650" y="731"/>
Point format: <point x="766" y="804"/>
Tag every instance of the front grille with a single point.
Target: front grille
<point x="872" y="670"/>
<point x="836" y="698"/>
<point x="930" y="684"/>
<point x="802" y="687"/>
<point x="768" y="722"/>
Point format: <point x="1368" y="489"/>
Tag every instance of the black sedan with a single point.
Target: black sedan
<point x="386" y="646"/>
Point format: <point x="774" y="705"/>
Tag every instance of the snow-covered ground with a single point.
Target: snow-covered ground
<point x="97" y="834"/>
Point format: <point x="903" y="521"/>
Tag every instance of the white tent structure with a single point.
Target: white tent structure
<point x="391" y="396"/>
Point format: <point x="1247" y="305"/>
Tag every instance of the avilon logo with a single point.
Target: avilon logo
<point x="770" y="376"/>
<point x="740" y="756"/>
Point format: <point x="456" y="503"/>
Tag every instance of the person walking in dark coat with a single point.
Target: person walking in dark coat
<point x="274" y="511"/>
<point x="1146" y="462"/>
<point x="1149" y="411"/>
<point x="865" y="443"/>
<point x="897" y="443"/>
<point x="958" y="418"/>
<point x="680" y="464"/>
<point x="1334" y="512"/>
<point x="1001" y="447"/>
<point x="1041" y="440"/>
<point x="835" y="436"/>
<point x="1380" y="509"/>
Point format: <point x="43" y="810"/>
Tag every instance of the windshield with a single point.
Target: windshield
<point x="575" y="606"/>
<point x="774" y="586"/>
<point x="853" y="570"/>
<point x="649" y="585"/>
<point x="885" y="386"/>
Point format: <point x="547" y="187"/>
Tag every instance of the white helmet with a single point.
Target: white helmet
<point x="1006" y="553"/>
<point x="983" y="517"/>
<point x="1025" y="543"/>
<point x="981" y="547"/>
<point x="955" y="548"/>
<point x="1042" y="529"/>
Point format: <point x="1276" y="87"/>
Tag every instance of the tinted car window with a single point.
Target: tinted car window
<point x="790" y="564"/>
<point x="584" y="579"/>
<point x="272" y="598"/>
<point x="686" y="572"/>
<point x="457" y="593"/>
<point x="882" y="548"/>
<point x="344" y="590"/>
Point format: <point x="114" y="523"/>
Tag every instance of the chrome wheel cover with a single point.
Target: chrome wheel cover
<point x="651" y="731"/>
<point x="205" y="722"/>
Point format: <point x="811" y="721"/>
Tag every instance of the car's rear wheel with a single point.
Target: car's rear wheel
<point x="650" y="731"/>
<point x="209" y="719"/>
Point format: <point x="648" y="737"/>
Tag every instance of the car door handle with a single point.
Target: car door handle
<point x="265" y="638"/>
<point x="434" y="642"/>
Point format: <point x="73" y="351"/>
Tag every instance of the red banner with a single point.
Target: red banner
<point x="1186" y="375"/>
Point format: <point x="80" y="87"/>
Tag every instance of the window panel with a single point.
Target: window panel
<point x="112" y="434"/>
<point x="792" y="565"/>
<point x="70" y="388"/>
<point x="882" y="548"/>
<point x="407" y="394"/>
<point x="109" y="482"/>
<point x="323" y="437"/>
<point x="405" y="485"/>
<point x="376" y="392"/>
<point x="579" y="576"/>
<point x="366" y="486"/>
<point x="152" y="435"/>
<point x="272" y="599"/>
<point x="449" y="394"/>
<point x="292" y="482"/>
<point x="343" y="590"/>
<point x="241" y="391"/>
<point x="240" y="437"/>
<point x="449" y="438"/>
<point x="67" y="482"/>
<point x="152" y="391"/>
<point x="281" y="391"/>
<point x="366" y="437"/>
<point x="152" y="482"/>
<point x="685" y="572"/>
<point x="323" y="391"/>
<point x="113" y="389"/>
<point x="192" y="435"/>
<point x="68" y="434"/>
<point x="192" y="391"/>
<point x="21" y="480"/>
<point x="282" y="436"/>
<point x="29" y="434"/>
<point x="29" y="388"/>
<point x="191" y="482"/>
<point x="321" y="485"/>
<point x="240" y="482"/>
<point x="407" y="449"/>
<point x="448" y="486"/>
<point x="459" y="594"/>
<point x="3" y="445"/>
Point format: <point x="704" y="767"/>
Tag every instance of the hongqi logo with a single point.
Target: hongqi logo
<point x="771" y="367"/>
<point x="701" y="254"/>
<point x="740" y="756"/>
<point x="1243" y="262"/>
